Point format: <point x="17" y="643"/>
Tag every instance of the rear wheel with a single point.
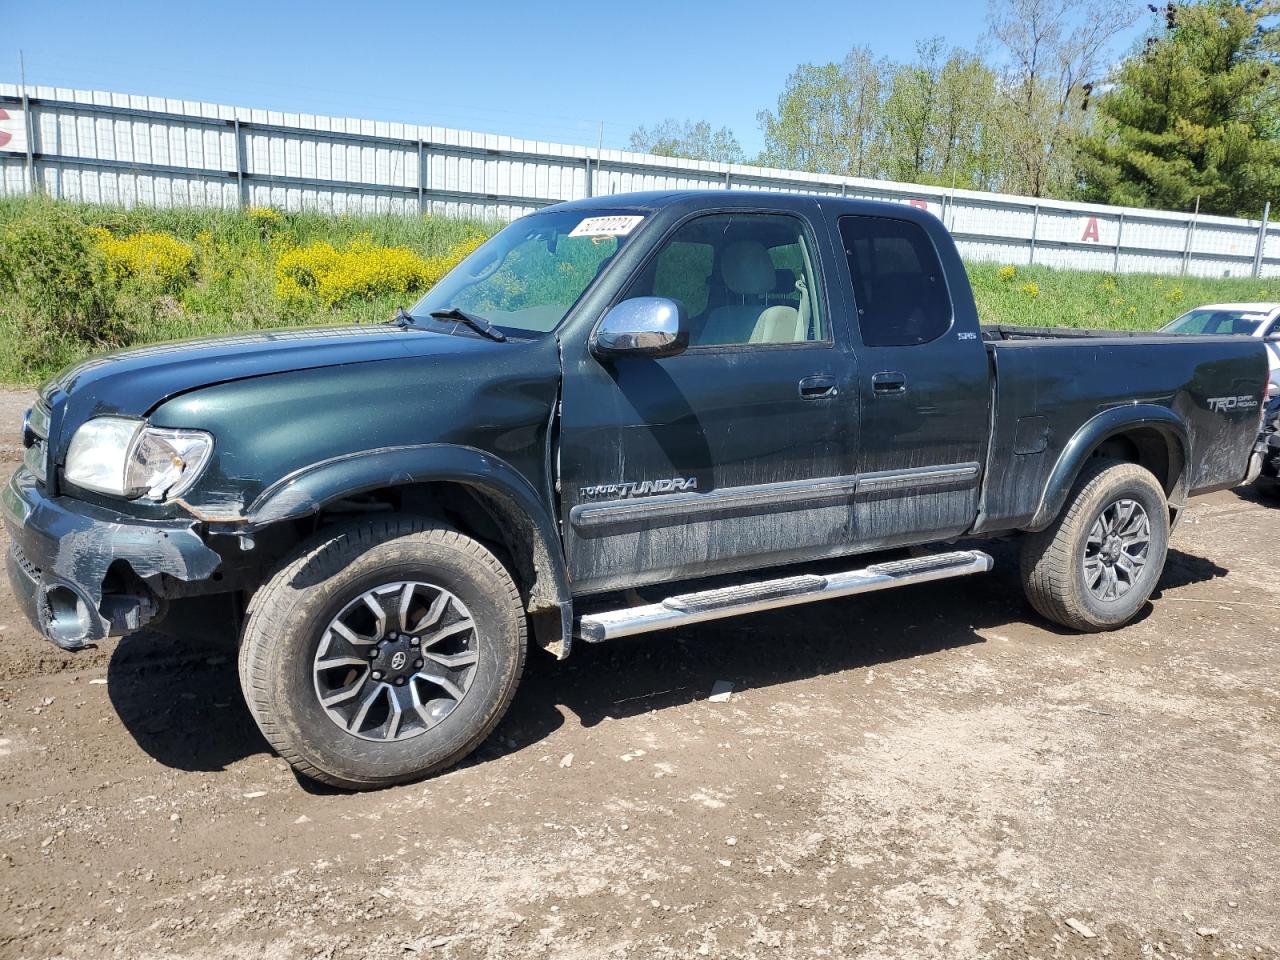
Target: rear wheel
<point x="1096" y="565"/>
<point x="382" y="652"/>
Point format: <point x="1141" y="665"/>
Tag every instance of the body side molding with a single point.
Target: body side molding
<point x="601" y="518"/>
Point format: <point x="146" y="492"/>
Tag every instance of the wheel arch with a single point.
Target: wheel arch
<point x="1151" y="436"/>
<point x="430" y="475"/>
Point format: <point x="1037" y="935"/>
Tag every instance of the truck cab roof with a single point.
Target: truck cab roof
<point x="690" y="200"/>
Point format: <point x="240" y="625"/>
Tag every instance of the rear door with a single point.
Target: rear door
<point x="923" y="382"/>
<point x="736" y="453"/>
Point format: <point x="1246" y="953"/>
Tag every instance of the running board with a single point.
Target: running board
<point x="691" y="608"/>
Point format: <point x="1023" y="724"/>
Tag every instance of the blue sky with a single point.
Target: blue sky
<point x="501" y="67"/>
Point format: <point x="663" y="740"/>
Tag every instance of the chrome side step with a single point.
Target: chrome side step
<point x="684" y="609"/>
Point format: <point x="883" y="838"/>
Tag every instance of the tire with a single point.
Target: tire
<point x="1060" y="566"/>
<point x="318" y="608"/>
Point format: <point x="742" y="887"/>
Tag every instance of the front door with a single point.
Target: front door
<point x="736" y="453"/>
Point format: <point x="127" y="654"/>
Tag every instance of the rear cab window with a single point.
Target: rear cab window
<point x="899" y="288"/>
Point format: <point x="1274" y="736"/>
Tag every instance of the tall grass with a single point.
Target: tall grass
<point x="166" y="274"/>
<point x="1040" y="296"/>
<point x="78" y="278"/>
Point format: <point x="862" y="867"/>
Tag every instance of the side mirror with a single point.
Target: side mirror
<point x="1272" y="338"/>
<point x="642" y="327"/>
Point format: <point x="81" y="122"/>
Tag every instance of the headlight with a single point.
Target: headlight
<point x="127" y="458"/>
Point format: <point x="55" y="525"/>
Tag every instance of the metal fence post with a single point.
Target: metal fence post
<point x="32" y="179"/>
<point x="1262" y="239"/>
<point x="591" y="186"/>
<point x="727" y="184"/>
<point x="1191" y="233"/>
<point x="423" y="177"/>
<point x="1035" y="227"/>
<point x="239" y="163"/>
<point x="1115" y="263"/>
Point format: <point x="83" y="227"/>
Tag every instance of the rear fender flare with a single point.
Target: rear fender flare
<point x="1115" y="422"/>
<point x="308" y="490"/>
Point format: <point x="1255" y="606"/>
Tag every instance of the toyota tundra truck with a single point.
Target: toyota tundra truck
<point x="620" y="415"/>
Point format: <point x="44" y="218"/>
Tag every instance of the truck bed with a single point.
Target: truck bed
<point x="1050" y="384"/>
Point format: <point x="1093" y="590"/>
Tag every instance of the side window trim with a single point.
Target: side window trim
<point x="815" y="263"/>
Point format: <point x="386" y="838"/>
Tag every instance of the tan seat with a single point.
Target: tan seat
<point x="749" y="273"/>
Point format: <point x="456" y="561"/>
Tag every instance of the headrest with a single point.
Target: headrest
<point x="746" y="268"/>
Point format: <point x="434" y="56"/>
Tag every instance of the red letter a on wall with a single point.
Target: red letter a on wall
<point x="1091" y="232"/>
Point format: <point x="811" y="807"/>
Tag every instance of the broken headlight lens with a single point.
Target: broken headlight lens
<point x="128" y="458"/>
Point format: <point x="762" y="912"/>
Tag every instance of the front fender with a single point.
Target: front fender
<point x="310" y="489"/>
<point x="1107" y="424"/>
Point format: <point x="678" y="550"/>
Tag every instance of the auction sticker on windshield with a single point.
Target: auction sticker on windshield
<point x="605" y="227"/>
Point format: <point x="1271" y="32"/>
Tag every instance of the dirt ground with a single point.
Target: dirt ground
<point x="932" y="772"/>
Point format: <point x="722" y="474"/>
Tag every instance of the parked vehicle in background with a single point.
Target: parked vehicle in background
<point x="675" y="393"/>
<point x="1260" y="320"/>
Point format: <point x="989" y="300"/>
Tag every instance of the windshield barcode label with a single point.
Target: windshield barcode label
<point x="605" y="227"/>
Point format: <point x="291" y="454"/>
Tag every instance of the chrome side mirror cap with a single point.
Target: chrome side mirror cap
<point x="641" y="327"/>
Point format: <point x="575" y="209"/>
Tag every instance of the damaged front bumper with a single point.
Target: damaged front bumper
<point x="62" y="553"/>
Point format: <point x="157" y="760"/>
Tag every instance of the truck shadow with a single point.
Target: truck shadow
<point x="1254" y="494"/>
<point x="670" y="669"/>
<point x="180" y="698"/>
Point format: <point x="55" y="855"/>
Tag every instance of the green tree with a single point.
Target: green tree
<point x="866" y="78"/>
<point x="911" y="113"/>
<point x="688" y="140"/>
<point x="967" y="146"/>
<point x="1195" y="113"/>
<point x="939" y="117"/>
<point x="830" y="118"/>
<point x="1054" y="50"/>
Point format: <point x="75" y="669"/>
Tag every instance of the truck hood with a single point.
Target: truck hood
<point x="134" y="382"/>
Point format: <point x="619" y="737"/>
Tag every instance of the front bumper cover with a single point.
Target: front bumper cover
<point x="62" y="550"/>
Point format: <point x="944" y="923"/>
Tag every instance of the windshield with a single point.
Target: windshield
<point x="1217" y="321"/>
<point x="527" y="278"/>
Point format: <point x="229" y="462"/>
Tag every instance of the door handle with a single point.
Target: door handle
<point x="817" y="388"/>
<point x="888" y="383"/>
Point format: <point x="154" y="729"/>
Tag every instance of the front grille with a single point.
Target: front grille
<point x="25" y="565"/>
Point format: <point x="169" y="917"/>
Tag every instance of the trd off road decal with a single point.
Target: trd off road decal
<point x="642" y="488"/>
<point x="1223" y="404"/>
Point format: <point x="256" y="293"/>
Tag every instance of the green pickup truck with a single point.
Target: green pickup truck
<point x="619" y="415"/>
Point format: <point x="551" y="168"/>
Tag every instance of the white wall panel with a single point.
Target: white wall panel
<point x="106" y="147"/>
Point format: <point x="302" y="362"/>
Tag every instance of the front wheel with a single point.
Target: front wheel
<point x="1095" y="566"/>
<point x="382" y="651"/>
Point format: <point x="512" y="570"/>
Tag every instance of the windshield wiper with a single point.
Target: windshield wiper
<point x="476" y="322"/>
<point x="403" y="319"/>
